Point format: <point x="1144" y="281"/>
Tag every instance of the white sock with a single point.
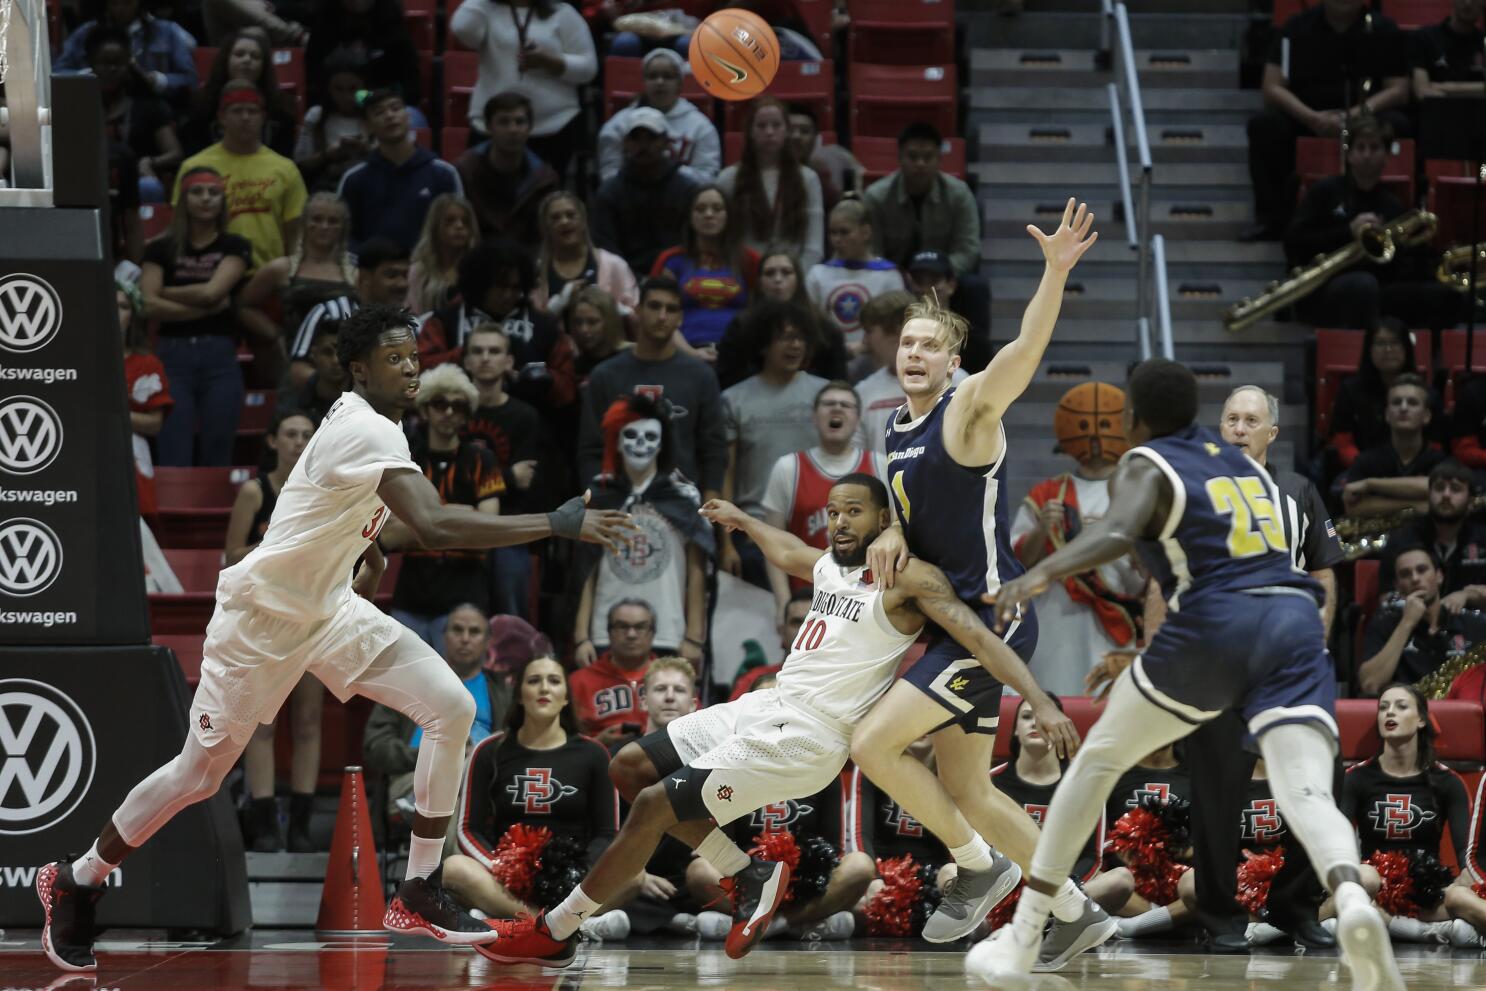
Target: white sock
<point x="425" y="853"/>
<point x="91" y="869"/>
<point x="1414" y="931"/>
<point x="722" y="853"/>
<point x="565" y="919"/>
<point x="973" y="856"/>
<point x="1150" y="923"/>
<point x="1329" y="925"/>
<point x="1030" y="916"/>
<point x="1262" y="934"/>
<point x="1068" y="903"/>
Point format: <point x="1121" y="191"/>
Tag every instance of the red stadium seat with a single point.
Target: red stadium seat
<point x="1083" y="710"/>
<point x="425" y="82"/>
<point x="461" y="70"/>
<point x="1286" y="9"/>
<point x="1452" y="200"/>
<point x="154" y="219"/>
<point x="288" y="66"/>
<point x="453" y="141"/>
<point x="886" y="98"/>
<point x="732" y="144"/>
<point x="196" y="568"/>
<point x="1338" y="353"/>
<point x="195" y="503"/>
<point x="624" y="79"/>
<point x="879" y="156"/>
<point x="901" y="32"/>
<point x="1461" y="736"/>
<point x="1452" y="350"/>
<point x="187" y="650"/>
<point x="203" y="57"/>
<point x="418" y="18"/>
<point x="1316" y="158"/>
<point x="810" y="83"/>
<point x="1410" y="15"/>
<point x="257" y="411"/>
<point x="817" y="17"/>
<point x="423" y="137"/>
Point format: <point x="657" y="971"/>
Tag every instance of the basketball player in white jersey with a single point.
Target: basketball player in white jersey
<point x="722" y="762"/>
<point x="292" y="606"/>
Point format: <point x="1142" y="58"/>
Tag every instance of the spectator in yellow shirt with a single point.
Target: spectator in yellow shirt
<point x="265" y="194"/>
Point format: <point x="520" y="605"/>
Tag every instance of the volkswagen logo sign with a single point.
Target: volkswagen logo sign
<point x="48" y="754"/>
<point x="30" y="435"/>
<point x="30" y="557"/>
<point x="30" y="313"/>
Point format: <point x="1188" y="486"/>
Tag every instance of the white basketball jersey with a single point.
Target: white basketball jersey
<point x="846" y="654"/>
<point x="326" y="515"/>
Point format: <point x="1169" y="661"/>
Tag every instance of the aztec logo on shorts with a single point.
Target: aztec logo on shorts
<point x="205" y="722"/>
<point x="1398" y="817"/>
<point x="49" y="756"/>
<point x="777" y="817"/>
<point x="1262" y="822"/>
<point x="1038" y="813"/>
<point x="1157" y="789"/>
<point x="903" y="824"/>
<point x="537" y="790"/>
<point x="724" y="793"/>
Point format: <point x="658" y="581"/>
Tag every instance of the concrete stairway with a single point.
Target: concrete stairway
<point x="1039" y="118"/>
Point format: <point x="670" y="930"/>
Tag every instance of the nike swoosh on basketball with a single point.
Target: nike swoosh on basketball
<point x="739" y="73"/>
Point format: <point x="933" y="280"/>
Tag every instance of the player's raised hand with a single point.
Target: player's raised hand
<point x="724" y="514"/>
<point x="1056" y="728"/>
<point x="1066" y="245"/>
<point x="1009" y="597"/>
<point x="887" y="555"/>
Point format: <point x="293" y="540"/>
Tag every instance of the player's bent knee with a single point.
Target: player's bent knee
<point x="856" y="870"/>
<point x="631" y="771"/>
<point x="1372" y="883"/>
<point x="652" y="807"/>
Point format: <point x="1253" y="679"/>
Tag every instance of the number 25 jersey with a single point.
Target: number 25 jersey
<point x="1224" y="532"/>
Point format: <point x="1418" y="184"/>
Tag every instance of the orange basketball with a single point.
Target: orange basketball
<point x="1088" y="421"/>
<point x="734" y="54"/>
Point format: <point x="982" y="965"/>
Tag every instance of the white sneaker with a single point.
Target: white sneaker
<point x="1003" y="956"/>
<point x="683" y="923"/>
<point x="609" y="926"/>
<point x="1262" y="934"/>
<point x="1364" y="941"/>
<point x="1463" y="934"/>
<point x="714" y="926"/>
<point x="833" y="927"/>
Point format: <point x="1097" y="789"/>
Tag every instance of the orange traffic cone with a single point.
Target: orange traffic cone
<point x="352" y="900"/>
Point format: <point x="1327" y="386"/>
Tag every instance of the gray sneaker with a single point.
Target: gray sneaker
<point x="1066" y="940"/>
<point x="969" y="898"/>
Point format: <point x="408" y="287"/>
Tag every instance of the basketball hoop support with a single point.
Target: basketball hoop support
<point x="28" y="89"/>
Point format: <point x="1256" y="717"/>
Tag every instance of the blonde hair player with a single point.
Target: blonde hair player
<point x="946" y="471"/>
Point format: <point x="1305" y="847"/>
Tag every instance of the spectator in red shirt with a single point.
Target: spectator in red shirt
<point x="608" y="690"/>
<point x="148" y="388"/>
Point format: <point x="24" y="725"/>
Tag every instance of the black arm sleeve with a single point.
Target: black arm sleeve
<point x="1449" y="791"/>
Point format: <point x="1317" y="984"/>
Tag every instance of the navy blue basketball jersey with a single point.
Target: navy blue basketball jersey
<point x="953" y="517"/>
<point x="1224" y="533"/>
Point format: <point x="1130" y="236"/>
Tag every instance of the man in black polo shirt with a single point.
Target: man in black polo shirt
<point x="1446" y="58"/>
<point x="1457" y="538"/>
<point x="1414" y="634"/>
<point x="1330" y="59"/>
<point x="1250" y="420"/>
<point x="1393" y="476"/>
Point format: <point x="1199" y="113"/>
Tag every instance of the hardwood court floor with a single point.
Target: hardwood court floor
<point x="296" y="960"/>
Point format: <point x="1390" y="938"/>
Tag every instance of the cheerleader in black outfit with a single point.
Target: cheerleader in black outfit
<point x="1160" y="774"/>
<point x="539" y="772"/>
<point x="1403" y="801"/>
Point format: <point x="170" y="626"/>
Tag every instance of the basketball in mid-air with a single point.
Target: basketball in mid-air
<point x="1088" y="421"/>
<point x="734" y="54"/>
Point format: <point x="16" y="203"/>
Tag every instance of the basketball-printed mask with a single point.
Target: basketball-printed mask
<point x="639" y="443"/>
<point x="1089" y="422"/>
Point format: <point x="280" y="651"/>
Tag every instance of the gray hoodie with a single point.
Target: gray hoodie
<point x="694" y="142"/>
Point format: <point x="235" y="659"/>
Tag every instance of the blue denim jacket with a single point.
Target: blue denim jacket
<point x="159" y="46"/>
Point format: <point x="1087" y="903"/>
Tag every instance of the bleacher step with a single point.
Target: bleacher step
<point x="1188" y="257"/>
<point x="1220" y="27"/>
<point x="1202" y="299"/>
<point x="1157" y="68"/>
<point x="1174" y="218"/>
<point x="1057" y="141"/>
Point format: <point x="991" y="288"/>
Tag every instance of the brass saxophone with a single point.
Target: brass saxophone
<point x="1436" y="684"/>
<point x="1364" y="536"/>
<point x="1377" y="243"/>
<point x="1455" y="270"/>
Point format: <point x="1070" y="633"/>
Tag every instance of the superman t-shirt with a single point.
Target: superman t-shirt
<point x="710" y="297"/>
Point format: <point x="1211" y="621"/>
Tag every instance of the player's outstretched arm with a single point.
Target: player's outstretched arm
<point x="784" y="550"/>
<point x="980" y="401"/>
<point x="412" y="499"/>
<point x="932" y="593"/>
<point x="1139" y="502"/>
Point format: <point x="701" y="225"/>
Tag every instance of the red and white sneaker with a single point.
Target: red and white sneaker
<point x="527" y="940"/>
<point x="758" y="890"/>
<point x="67" y="936"/>
<point x="423" y="906"/>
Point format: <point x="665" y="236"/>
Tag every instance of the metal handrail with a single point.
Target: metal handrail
<point x="1163" y="297"/>
<point x="1137" y="214"/>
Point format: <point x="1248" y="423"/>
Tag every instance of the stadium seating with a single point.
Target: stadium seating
<point x="886" y="98"/>
<point x="1286" y="9"/>
<point x="453" y="141"/>
<point x="732" y="144"/>
<point x="288" y="67"/>
<point x="1451" y="199"/>
<point x="901" y="32"/>
<point x="809" y="83"/>
<point x="1316" y="158"/>
<point x="817" y="17"/>
<point x="418" y="18"/>
<point x="1411" y="15"/>
<point x="187" y="613"/>
<point x="879" y="156"/>
<point x="187" y="650"/>
<point x="195" y="503"/>
<point x="1338" y="353"/>
<point x="154" y="219"/>
<point x="624" y="79"/>
<point x="461" y="70"/>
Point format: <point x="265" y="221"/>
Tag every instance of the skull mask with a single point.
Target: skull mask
<point x="639" y="442"/>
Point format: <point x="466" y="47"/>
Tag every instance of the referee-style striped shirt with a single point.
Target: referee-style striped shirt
<point x="332" y="309"/>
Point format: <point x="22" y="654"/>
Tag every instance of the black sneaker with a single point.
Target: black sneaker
<point x="758" y="891"/>
<point x="424" y="906"/>
<point x="69" y="931"/>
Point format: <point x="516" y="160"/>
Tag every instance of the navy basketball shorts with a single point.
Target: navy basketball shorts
<point x="950" y="675"/>
<point x="1261" y="654"/>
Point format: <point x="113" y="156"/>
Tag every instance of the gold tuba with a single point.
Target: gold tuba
<point x="1377" y="243"/>
<point x="1455" y="269"/>
<point x="1364" y="536"/>
<point x="1436" y="684"/>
